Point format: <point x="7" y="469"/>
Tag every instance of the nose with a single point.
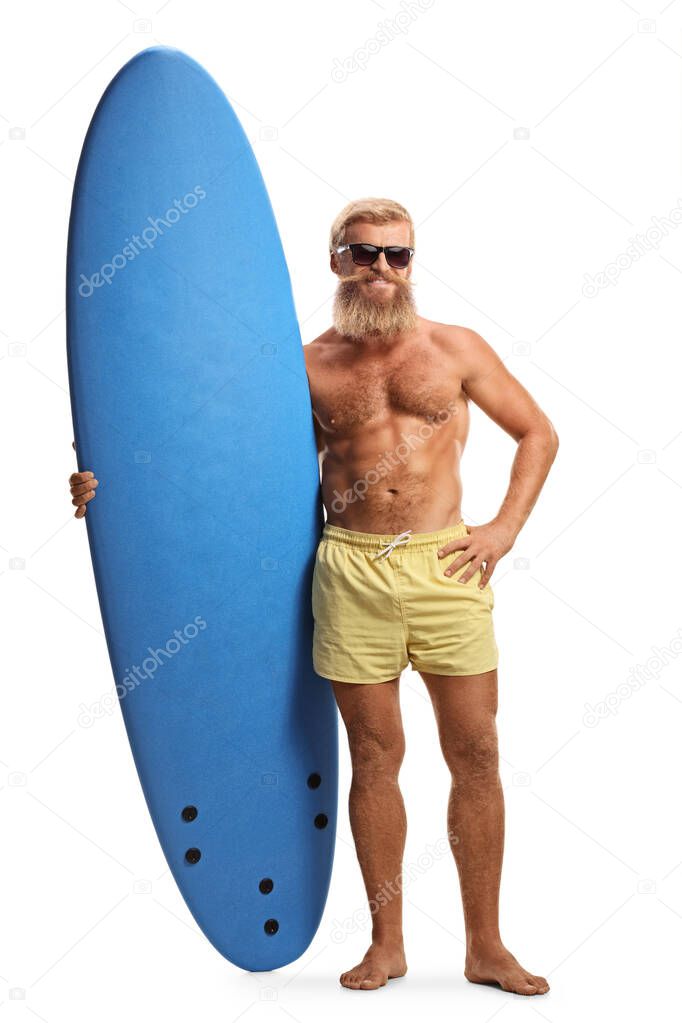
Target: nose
<point x="380" y="263"/>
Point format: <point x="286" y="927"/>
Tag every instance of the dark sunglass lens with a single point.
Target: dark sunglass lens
<point x="364" y="255"/>
<point x="397" y="257"/>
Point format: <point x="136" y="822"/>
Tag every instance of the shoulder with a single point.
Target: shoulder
<point x="320" y="346"/>
<point x="455" y="336"/>
<point x="463" y="343"/>
<point x="475" y="359"/>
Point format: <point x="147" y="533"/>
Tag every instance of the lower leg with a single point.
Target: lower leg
<point x="476" y="827"/>
<point x="378" y="823"/>
<point x="465" y="712"/>
<point x="476" y="822"/>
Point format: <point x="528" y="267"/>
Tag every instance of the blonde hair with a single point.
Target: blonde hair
<point x="376" y="211"/>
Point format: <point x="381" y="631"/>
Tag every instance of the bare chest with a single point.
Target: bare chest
<point x="346" y="398"/>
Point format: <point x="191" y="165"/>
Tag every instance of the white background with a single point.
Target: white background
<point x="507" y="228"/>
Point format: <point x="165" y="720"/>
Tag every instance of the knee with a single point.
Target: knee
<point x="473" y="754"/>
<point x="375" y="752"/>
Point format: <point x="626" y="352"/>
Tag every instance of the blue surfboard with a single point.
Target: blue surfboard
<point x="190" y="403"/>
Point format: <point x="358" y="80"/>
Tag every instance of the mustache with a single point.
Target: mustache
<point x="403" y="282"/>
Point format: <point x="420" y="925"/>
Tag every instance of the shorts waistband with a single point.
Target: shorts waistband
<point x="375" y="541"/>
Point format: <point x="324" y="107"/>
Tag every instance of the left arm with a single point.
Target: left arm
<point x="488" y="382"/>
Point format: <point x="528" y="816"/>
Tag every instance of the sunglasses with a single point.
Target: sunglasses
<point x="397" y="256"/>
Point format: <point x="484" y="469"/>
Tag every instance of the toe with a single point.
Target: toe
<point x="527" y="988"/>
<point x="372" y="981"/>
<point x="518" y="986"/>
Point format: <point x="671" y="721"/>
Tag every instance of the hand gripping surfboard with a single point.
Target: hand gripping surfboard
<point x="191" y="405"/>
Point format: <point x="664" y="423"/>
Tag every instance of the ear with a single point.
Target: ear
<point x="334" y="262"/>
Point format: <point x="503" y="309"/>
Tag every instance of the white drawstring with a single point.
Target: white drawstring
<point x="401" y="538"/>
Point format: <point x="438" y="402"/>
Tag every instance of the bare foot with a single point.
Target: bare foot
<point x="381" y="963"/>
<point x="498" y="966"/>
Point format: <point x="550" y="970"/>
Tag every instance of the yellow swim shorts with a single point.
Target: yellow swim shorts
<point x="380" y="602"/>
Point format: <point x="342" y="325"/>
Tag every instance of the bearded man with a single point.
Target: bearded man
<point x="401" y="579"/>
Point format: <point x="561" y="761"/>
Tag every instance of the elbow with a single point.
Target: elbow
<point x="552" y="439"/>
<point x="542" y="435"/>
<point x="545" y="436"/>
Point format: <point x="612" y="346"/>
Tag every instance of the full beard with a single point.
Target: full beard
<point x="356" y="315"/>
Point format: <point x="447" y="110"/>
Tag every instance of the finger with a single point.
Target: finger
<point x="471" y="571"/>
<point x="454" y="545"/>
<point x="82" y="488"/>
<point x="487" y="573"/>
<point x="458" y="563"/>
<point x="80" y="477"/>
<point x="84" y="498"/>
<point x="451" y="546"/>
<point x="80" y="511"/>
<point x="73" y="444"/>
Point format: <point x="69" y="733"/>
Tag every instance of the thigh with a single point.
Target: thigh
<point x="465" y="707"/>
<point x="371" y="714"/>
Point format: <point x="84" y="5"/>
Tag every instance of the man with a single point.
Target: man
<point x="400" y="578"/>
